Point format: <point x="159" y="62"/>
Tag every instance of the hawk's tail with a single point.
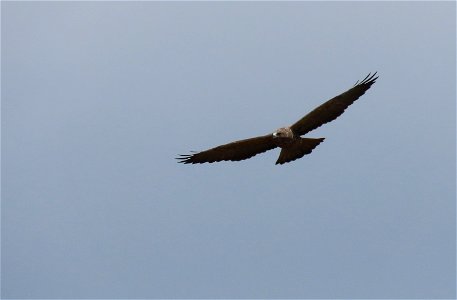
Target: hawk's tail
<point x="298" y="149"/>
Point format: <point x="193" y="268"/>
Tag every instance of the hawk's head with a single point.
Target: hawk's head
<point x="283" y="133"/>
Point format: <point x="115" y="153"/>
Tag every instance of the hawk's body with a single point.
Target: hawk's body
<point x="289" y="139"/>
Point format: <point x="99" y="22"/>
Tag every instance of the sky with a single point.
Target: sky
<point x="98" y="98"/>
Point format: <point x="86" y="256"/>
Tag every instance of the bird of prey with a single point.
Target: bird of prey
<point x="289" y="139"/>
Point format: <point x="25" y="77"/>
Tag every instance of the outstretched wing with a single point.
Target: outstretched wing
<point x="234" y="151"/>
<point x="333" y="108"/>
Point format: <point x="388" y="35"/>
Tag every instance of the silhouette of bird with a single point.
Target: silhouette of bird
<point x="289" y="139"/>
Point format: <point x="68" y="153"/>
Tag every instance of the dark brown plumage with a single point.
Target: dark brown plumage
<point x="287" y="138"/>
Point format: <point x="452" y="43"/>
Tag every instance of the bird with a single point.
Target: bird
<point x="289" y="139"/>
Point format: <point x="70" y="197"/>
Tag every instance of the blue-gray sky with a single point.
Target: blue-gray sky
<point x="98" y="98"/>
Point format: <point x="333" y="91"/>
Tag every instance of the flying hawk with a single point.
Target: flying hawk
<point x="287" y="138"/>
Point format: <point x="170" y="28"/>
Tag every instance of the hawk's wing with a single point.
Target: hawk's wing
<point x="238" y="150"/>
<point x="333" y="108"/>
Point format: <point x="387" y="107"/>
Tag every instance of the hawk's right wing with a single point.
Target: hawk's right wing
<point x="234" y="151"/>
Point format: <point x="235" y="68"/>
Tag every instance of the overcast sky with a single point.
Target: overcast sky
<point x="98" y="98"/>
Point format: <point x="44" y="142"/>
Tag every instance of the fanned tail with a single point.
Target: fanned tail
<point x="298" y="149"/>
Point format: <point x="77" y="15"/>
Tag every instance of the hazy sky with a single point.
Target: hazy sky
<point x="98" y="98"/>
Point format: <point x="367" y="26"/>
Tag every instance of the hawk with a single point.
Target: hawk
<point x="289" y="139"/>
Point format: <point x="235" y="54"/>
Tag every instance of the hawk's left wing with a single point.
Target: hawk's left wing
<point x="333" y="108"/>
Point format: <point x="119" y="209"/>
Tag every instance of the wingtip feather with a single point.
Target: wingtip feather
<point x="369" y="79"/>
